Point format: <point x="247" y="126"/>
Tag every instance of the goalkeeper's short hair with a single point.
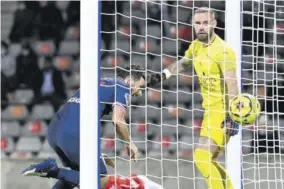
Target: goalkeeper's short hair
<point x="204" y="10"/>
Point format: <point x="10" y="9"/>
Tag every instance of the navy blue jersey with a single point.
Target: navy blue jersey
<point x="112" y="91"/>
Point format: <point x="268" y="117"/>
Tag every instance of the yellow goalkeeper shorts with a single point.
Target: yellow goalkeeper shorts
<point x="211" y="127"/>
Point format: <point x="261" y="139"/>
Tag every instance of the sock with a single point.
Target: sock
<point x="70" y="176"/>
<point x="226" y="178"/>
<point x="203" y="162"/>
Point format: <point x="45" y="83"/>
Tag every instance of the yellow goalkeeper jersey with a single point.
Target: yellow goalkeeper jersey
<point x="211" y="61"/>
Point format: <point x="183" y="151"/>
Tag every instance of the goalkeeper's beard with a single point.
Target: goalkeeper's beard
<point x="205" y="38"/>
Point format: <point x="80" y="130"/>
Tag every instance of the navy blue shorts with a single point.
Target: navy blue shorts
<point x="66" y="146"/>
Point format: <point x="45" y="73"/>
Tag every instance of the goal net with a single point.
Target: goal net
<point x="165" y="121"/>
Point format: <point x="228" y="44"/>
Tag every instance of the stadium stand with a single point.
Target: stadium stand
<point x="39" y="70"/>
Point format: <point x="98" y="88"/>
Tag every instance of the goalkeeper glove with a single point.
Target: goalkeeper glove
<point x="155" y="79"/>
<point x="231" y="127"/>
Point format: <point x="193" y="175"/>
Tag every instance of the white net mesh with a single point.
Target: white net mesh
<point x="165" y="121"/>
<point x="262" y="68"/>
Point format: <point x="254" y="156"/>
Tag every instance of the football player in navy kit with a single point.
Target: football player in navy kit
<point x="64" y="129"/>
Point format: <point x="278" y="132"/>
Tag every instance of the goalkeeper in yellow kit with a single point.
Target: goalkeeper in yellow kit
<point x="215" y="64"/>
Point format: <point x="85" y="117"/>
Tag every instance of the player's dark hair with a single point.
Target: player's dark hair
<point x="204" y="10"/>
<point x="135" y="70"/>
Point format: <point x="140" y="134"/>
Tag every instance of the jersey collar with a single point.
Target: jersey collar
<point x="212" y="40"/>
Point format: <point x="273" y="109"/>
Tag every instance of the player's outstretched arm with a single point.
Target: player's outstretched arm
<point x="172" y="69"/>
<point x="118" y="117"/>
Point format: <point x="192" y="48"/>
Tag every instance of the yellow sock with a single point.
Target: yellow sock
<point x="203" y="162"/>
<point x="225" y="176"/>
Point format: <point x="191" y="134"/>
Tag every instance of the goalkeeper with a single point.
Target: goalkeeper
<point x="215" y="64"/>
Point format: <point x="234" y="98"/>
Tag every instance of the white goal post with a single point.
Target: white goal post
<point x="233" y="37"/>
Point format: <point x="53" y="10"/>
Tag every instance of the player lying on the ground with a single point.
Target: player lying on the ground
<point x="131" y="182"/>
<point x="63" y="131"/>
<point x="215" y="64"/>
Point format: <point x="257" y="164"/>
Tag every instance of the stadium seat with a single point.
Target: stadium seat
<point x="186" y="146"/>
<point x="44" y="47"/>
<point x="169" y="127"/>
<point x="46" y="151"/>
<point x="139" y="129"/>
<point x="69" y="47"/>
<point x="107" y="73"/>
<point x="10" y="129"/>
<point x="34" y="128"/>
<point x="247" y="78"/>
<point x="15" y="49"/>
<point x="156" y="64"/>
<point x="247" y="138"/>
<point x="185" y="129"/>
<point x="170" y="112"/>
<point x="197" y="97"/>
<point x="153" y="113"/>
<point x="62" y="62"/>
<point x="149" y="46"/>
<point x="171" y="83"/>
<point x="154" y="96"/>
<point x="184" y="97"/>
<point x="247" y="62"/>
<point x="152" y="31"/>
<point x="72" y="33"/>
<point x="62" y="5"/>
<point x="169" y="46"/>
<point x="15" y="112"/>
<point x="169" y="97"/>
<point x="109" y="146"/>
<point x="46" y="147"/>
<point x="166" y="143"/>
<point x="108" y="129"/>
<point x="184" y="14"/>
<point x="7" y="145"/>
<point x="112" y="61"/>
<point x="141" y="143"/>
<point x="23" y="96"/>
<point x="42" y="111"/>
<point x="3" y="155"/>
<point x="21" y="155"/>
<point x="198" y="111"/>
<point x="28" y="144"/>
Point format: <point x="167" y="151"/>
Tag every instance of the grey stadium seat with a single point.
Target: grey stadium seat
<point x="109" y="129"/>
<point x="15" y="49"/>
<point x="167" y="143"/>
<point x="72" y="33"/>
<point x="34" y="129"/>
<point x="42" y="111"/>
<point x="140" y="143"/>
<point x="152" y="31"/>
<point x="69" y="47"/>
<point x="46" y="151"/>
<point x="10" y="129"/>
<point x="169" y="97"/>
<point x="15" y="112"/>
<point x="139" y="129"/>
<point x="44" y="47"/>
<point x="28" y="144"/>
<point x="62" y="5"/>
<point x="122" y="47"/>
<point x="170" y="47"/>
<point x="23" y="96"/>
<point x="7" y="145"/>
<point x="186" y="143"/>
<point x="153" y="47"/>
<point x="46" y="147"/>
